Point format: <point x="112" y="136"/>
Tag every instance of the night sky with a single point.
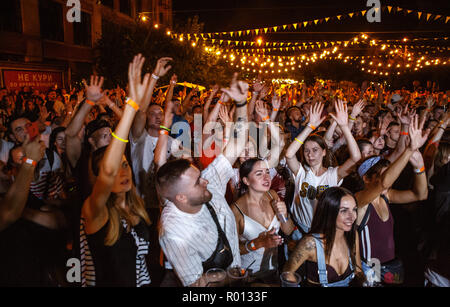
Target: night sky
<point x="236" y="15"/>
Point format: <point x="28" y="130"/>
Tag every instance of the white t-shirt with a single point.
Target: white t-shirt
<point x="142" y="155"/>
<point x="188" y="240"/>
<point x="307" y="190"/>
<point x="5" y="147"/>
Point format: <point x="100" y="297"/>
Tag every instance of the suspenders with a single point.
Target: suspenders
<point x="323" y="275"/>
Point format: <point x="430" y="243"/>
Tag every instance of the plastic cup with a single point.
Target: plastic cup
<point x="290" y="280"/>
<point x="237" y="277"/>
<point x="215" y="277"/>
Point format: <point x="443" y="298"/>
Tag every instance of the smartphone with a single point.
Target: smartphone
<point x="33" y="130"/>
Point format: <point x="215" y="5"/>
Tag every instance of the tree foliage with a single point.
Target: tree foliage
<point x="119" y="44"/>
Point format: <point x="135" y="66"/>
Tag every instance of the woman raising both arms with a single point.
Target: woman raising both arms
<point x="315" y="173"/>
<point x="114" y="220"/>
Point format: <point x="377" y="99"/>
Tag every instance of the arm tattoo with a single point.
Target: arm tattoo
<point x="302" y="250"/>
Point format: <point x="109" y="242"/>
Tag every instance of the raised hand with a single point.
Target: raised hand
<point x="417" y="159"/>
<point x="341" y="116"/>
<point x="215" y="89"/>
<point x="173" y="80"/>
<point x="139" y="89"/>
<point x="405" y="115"/>
<point x="94" y="89"/>
<point x="34" y="150"/>
<point x="261" y="109"/>
<point x="276" y="102"/>
<point x="314" y="114"/>
<point x="80" y="96"/>
<point x="417" y="138"/>
<point x="358" y="107"/>
<point x="224" y="116"/>
<point x="257" y="85"/>
<point x="264" y="92"/>
<point x="430" y="102"/>
<point x="161" y="66"/>
<point x="238" y="90"/>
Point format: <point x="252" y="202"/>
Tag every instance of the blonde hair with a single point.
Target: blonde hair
<point x="137" y="207"/>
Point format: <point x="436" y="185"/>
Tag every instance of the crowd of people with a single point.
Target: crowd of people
<point x="149" y="187"/>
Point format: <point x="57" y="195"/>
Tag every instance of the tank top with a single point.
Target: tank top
<point x="263" y="259"/>
<point x="376" y="238"/>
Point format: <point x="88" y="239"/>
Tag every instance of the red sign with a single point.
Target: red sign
<point x="38" y="80"/>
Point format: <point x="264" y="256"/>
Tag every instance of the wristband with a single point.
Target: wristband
<point x="351" y="118"/>
<point x="312" y="127"/>
<point x="298" y="141"/>
<point x="155" y="77"/>
<point x="441" y="128"/>
<point x="404" y="133"/>
<point x="29" y="161"/>
<point x="173" y="82"/>
<point x="118" y="138"/>
<point x="132" y="104"/>
<point x="221" y="102"/>
<point x="165" y="128"/>
<point x="252" y="246"/>
<point x="89" y="102"/>
<point x="241" y="105"/>
<point x="162" y="132"/>
<point x="265" y="118"/>
<point x="275" y="109"/>
<point x="419" y="170"/>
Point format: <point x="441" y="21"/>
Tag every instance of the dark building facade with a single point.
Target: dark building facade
<point x="39" y="46"/>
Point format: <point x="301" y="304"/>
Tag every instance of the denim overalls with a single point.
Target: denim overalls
<point x="323" y="267"/>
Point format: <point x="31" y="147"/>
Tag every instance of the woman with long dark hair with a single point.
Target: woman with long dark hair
<point x="316" y="172"/>
<point x="259" y="217"/>
<point x="330" y="249"/>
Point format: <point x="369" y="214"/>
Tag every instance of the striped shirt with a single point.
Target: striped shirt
<point x="87" y="263"/>
<point x="188" y="240"/>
